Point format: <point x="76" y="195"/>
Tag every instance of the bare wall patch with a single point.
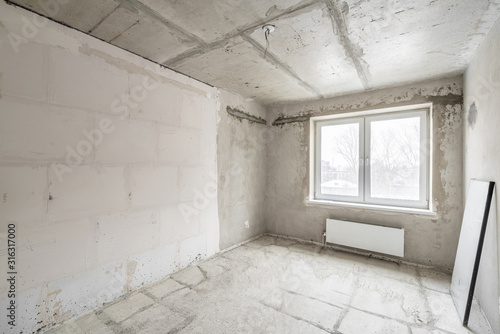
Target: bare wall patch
<point x="291" y="119"/>
<point x="472" y="114"/>
<point x="243" y="115"/>
<point x="450" y="98"/>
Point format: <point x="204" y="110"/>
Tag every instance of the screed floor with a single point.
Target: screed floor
<point x="278" y="285"/>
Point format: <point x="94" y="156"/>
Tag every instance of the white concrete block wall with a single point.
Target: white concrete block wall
<point x="154" y="186"/>
<point x="39" y="131"/>
<point x="171" y="143"/>
<point x="31" y="75"/>
<point x="50" y="251"/>
<point x="162" y="104"/>
<point x="24" y="193"/>
<point x="130" y="141"/>
<point x="192" y="249"/>
<point x="80" y="293"/>
<point x="108" y="168"/>
<point x="83" y="82"/>
<point x="124" y="234"/>
<point x="194" y="109"/>
<point x="87" y="190"/>
<point x="174" y="226"/>
<point x="153" y="265"/>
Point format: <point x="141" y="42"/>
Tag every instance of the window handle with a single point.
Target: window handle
<point x="361" y="161"/>
<point x="367" y="162"/>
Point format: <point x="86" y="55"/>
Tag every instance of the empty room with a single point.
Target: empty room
<point x="227" y="166"/>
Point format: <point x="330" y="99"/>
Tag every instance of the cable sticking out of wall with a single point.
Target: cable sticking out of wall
<point x="268" y="29"/>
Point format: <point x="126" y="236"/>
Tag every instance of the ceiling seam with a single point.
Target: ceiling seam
<point x="11" y="3"/>
<point x="259" y="23"/>
<point x="282" y="66"/>
<point x="354" y="52"/>
<point x="292" y="11"/>
<point x="235" y="33"/>
<point x="102" y="20"/>
<point x="124" y="31"/>
<point x="148" y="11"/>
<point x="196" y="51"/>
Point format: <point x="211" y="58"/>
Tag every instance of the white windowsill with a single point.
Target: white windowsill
<point x="414" y="211"/>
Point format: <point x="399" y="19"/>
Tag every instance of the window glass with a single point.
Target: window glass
<point x="340" y="159"/>
<point x="395" y="159"/>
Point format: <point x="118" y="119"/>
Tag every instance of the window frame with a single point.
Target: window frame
<point x="364" y="119"/>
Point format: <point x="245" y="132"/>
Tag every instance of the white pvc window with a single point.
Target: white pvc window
<point x="376" y="158"/>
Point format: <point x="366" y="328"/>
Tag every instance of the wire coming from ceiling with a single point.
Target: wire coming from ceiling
<point x="268" y="29"/>
<point x="267" y="42"/>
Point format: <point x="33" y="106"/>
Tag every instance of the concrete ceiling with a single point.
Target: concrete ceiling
<point x="320" y="48"/>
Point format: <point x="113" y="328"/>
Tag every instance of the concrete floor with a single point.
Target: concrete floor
<point x="277" y="285"/>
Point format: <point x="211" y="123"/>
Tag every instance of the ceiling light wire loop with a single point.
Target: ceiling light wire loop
<point x="268" y="29"/>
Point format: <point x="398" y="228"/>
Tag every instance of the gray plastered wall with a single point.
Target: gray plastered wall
<point x="429" y="240"/>
<point x="241" y="162"/>
<point x="481" y="152"/>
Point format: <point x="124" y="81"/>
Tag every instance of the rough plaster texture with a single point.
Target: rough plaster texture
<point x="148" y="199"/>
<point x="241" y="163"/>
<point x="321" y="48"/>
<point x="430" y="240"/>
<point x="98" y="214"/>
<point x="482" y="149"/>
<point x="277" y="285"/>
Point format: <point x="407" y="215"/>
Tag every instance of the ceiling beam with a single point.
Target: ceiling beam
<point x="338" y="15"/>
<point x="148" y="11"/>
<point x="240" y="31"/>
<point x="288" y="71"/>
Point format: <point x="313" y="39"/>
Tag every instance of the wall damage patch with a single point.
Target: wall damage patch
<point x="472" y="114"/>
<point x="450" y="98"/>
<point x="243" y="115"/>
<point x="293" y="119"/>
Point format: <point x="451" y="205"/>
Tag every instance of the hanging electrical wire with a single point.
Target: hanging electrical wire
<point x="266" y="33"/>
<point x="268" y="29"/>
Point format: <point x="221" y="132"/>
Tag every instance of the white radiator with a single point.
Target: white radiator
<point x="380" y="239"/>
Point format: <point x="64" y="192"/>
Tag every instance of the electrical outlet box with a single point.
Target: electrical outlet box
<point x="247" y="224"/>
